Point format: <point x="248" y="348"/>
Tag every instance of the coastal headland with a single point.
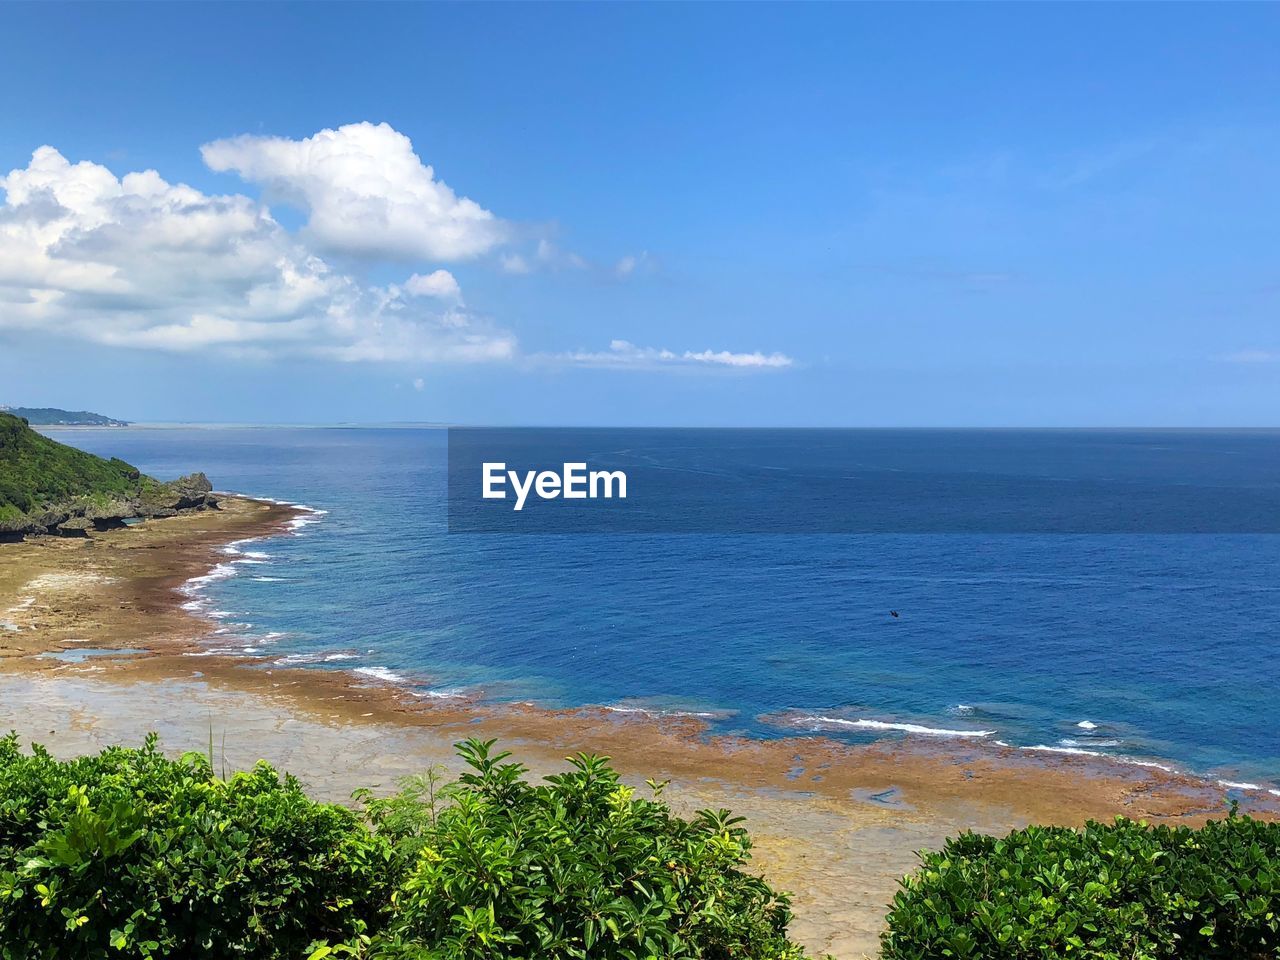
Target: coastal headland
<point x="97" y="648"/>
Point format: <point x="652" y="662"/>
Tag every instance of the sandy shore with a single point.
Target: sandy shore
<point x="835" y="824"/>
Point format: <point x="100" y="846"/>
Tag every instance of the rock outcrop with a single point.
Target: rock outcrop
<point x="49" y="488"/>
<point x="81" y="515"/>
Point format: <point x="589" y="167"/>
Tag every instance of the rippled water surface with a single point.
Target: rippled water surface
<point x="1156" y="646"/>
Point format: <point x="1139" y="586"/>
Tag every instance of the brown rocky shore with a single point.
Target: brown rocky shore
<point x="96" y="649"/>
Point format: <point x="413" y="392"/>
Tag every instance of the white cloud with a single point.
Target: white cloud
<point x="551" y="256"/>
<point x="135" y="261"/>
<point x="139" y="262"/>
<point x="623" y="353"/>
<point x="366" y="192"/>
<point x="439" y="284"/>
<point x="548" y="256"/>
<point x="514" y="263"/>
<point x="419" y="384"/>
<point x="632" y="264"/>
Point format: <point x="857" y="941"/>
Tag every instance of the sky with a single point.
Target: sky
<point x="624" y="214"/>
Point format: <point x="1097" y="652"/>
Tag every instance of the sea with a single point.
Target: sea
<point x="1150" y="647"/>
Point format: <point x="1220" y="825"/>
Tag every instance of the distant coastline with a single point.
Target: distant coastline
<point x="56" y="417"/>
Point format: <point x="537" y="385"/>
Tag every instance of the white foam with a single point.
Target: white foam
<point x="963" y="709"/>
<point x="1235" y="785"/>
<point x="451" y="693"/>
<point x="661" y="713"/>
<point x="308" y="516"/>
<point x="1087" y="725"/>
<point x="294" y="659"/>
<point x="1068" y="742"/>
<point x="1074" y="751"/>
<point x="220" y="571"/>
<point x="886" y="725"/>
<point x="1081" y="752"/>
<point x="380" y="673"/>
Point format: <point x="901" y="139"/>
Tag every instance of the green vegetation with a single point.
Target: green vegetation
<point x="48" y="487"/>
<point x="36" y="471"/>
<point x="52" y="416"/>
<point x="130" y="855"/>
<point x="1121" y="891"/>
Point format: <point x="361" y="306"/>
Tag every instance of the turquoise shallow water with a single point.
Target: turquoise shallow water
<point x="1153" y="646"/>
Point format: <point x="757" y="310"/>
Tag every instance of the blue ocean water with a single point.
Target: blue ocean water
<point x="1139" y="645"/>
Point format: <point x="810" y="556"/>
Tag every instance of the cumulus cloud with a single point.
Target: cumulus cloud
<point x="365" y="192"/>
<point x="439" y="284"/>
<point x="623" y="353"/>
<point x="136" y="261"/>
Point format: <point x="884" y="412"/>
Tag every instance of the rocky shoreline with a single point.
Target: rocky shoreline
<point x="78" y="516"/>
<point x="49" y="488"/>
<point x="97" y="648"/>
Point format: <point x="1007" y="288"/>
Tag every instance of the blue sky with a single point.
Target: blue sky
<point x="663" y="214"/>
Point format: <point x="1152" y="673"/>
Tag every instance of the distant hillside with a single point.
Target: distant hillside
<point x="52" y="416"/>
<point x="48" y="487"/>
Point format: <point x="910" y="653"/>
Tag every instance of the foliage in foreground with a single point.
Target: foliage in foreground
<point x="1121" y="891"/>
<point x="131" y="855"/>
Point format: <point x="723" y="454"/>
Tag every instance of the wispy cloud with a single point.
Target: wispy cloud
<point x="623" y="353"/>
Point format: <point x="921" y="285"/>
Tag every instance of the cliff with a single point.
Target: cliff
<point x="48" y="487"/>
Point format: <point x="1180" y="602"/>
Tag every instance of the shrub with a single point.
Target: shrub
<point x="1121" y="891"/>
<point x="577" y="867"/>
<point x="131" y="855"/>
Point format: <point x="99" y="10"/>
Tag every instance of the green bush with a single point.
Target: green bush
<point x="577" y="867"/>
<point x="130" y="855"/>
<point x="1121" y="891"/>
<point x="36" y="471"/>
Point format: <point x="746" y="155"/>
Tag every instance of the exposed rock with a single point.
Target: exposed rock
<point x="36" y="474"/>
<point x="76" y="518"/>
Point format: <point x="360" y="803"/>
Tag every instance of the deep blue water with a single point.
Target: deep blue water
<point x="1165" y="644"/>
